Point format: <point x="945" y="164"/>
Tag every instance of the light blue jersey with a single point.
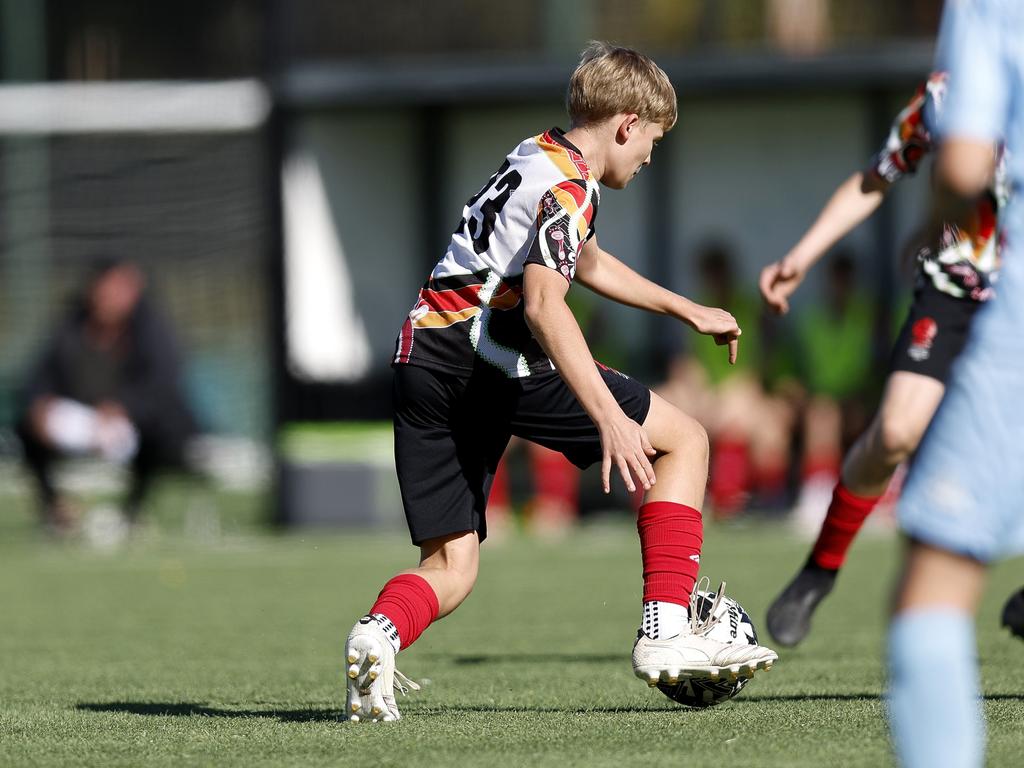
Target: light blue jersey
<point x="965" y="492"/>
<point x="982" y="44"/>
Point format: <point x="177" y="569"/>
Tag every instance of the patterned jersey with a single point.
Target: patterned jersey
<point x="538" y="208"/>
<point x="965" y="262"/>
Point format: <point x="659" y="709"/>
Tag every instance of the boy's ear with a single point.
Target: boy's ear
<point x="629" y="123"/>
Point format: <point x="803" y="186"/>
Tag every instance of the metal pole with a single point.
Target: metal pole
<point x="24" y="200"/>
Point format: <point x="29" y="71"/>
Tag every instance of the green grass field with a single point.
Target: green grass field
<point x="175" y="651"/>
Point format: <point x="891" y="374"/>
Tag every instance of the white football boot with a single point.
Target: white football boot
<point x="693" y="654"/>
<point x="371" y="676"/>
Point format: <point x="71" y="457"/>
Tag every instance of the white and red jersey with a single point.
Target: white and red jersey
<point x="965" y="262"/>
<point x="538" y="208"/>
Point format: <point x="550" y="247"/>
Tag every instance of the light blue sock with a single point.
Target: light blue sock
<point x="934" y="707"/>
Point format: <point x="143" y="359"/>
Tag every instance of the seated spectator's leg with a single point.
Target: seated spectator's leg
<point x="39" y="459"/>
<point x="156" y="450"/>
<point x="555" y="503"/>
<point x="822" y="431"/>
<point x="730" y="468"/>
<point x="771" y="445"/>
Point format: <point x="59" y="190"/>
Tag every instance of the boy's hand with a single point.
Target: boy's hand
<point x="625" y="444"/>
<point x="778" y="282"/>
<point x="719" y="325"/>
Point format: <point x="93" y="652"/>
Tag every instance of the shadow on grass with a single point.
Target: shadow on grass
<point x="330" y="714"/>
<point x="189" y="709"/>
<point x="532" y="658"/>
<point x="853" y="697"/>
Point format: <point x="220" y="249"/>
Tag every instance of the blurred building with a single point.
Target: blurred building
<point x="291" y="243"/>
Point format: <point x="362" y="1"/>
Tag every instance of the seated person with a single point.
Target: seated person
<point x="107" y="384"/>
<point x="749" y="427"/>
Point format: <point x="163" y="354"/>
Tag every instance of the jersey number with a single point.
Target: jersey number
<point x="483" y="218"/>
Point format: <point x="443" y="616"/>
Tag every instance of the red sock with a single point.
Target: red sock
<point x="670" y="539"/>
<point x="846" y="515"/>
<point x="409" y="601"/>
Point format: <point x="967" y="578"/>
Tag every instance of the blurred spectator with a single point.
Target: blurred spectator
<point x="799" y="27"/>
<point x="106" y="385"/>
<point x="749" y="428"/>
<point x="834" y="348"/>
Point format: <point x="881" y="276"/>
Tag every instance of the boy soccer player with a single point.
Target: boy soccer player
<point x="961" y="507"/>
<point x="954" y="278"/>
<point x="491" y="350"/>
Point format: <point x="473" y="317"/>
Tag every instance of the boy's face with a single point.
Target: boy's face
<point x="634" y="142"/>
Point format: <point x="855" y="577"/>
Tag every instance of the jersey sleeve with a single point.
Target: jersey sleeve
<point x="565" y="217"/>
<point x="908" y="141"/>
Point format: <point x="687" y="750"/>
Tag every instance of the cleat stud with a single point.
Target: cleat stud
<point x="372" y="658"/>
<point x="375" y="711"/>
<point x="353" y="657"/>
<point x="356" y="706"/>
<point x="372" y="674"/>
<point x="353" y="672"/>
<point x="354" y="719"/>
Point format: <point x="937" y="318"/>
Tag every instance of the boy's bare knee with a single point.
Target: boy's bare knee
<point x="695" y="438"/>
<point x="689" y="438"/>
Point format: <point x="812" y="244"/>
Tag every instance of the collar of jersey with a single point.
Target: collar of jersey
<point x="558" y="136"/>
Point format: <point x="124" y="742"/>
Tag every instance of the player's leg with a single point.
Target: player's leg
<point x="670" y="525"/>
<point x="446" y="460"/>
<point x="669" y="522"/>
<point x="936" y="718"/>
<point x="1012" y="616"/>
<point x="907" y="407"/>
<point x="405" y="607"/>
<point x="449" y="565"/>
<point x="932" y="337"/>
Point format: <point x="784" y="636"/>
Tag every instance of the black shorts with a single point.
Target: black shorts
<point x="934" y="333"/>
<point x="451" y="430"/>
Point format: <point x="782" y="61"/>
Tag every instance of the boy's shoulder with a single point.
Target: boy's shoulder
<point x="550" y="155"/>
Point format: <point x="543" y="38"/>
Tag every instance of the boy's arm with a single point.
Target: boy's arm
<point x="963" y="169"/>
<point x="602" y="273"/>
<point x="624" y="443"/>
<point x="852" y="202"/>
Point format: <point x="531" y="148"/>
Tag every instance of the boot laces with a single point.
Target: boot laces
<point x="403" y="684"/>
<point x="702" y="626"/>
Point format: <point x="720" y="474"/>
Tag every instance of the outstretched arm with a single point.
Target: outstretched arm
<point x="602" y="273"/>
<point x="624" y="443"/>
<point x="852" y="202"/>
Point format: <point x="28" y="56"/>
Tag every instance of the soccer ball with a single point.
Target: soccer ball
<point x="734" y="626"/>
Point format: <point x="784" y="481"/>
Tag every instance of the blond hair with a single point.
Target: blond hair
<point x="611" y="80"/>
